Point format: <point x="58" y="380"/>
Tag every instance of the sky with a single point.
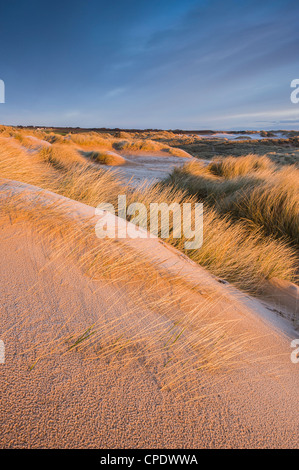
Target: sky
<point x="167" y="64"/>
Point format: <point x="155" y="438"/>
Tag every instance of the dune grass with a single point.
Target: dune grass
<point x="272" y="205"/>
<point x="174" y="338"/>
<point x="16" y="163"/>
<point x="62" y="156"/>
<point x="237" y="251"/>
<point x="231" y="167"/>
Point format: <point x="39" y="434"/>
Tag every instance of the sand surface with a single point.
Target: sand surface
<point x="144" y="168"/>
<point x="79" y="398"/>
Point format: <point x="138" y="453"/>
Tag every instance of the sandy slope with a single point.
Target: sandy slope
<point x="81" y="399"/>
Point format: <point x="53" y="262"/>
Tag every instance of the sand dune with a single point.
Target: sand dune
<point x="141" y="168"/>
<point x="148" y="350"/>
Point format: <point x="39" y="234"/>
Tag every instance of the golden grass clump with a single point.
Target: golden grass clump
<point x="197" y="179"/>
<point x="90" y="185"/>
<point x="230" y="250"/>
<point x="243" y="257"/>
<point x="104" y="157"/>
<point x="148" y="145"/>
<point x="272" y="205"/>
<point x="90" y="139"/>
<point x="251" y="188"/>
<point x="18" y="164"/>
<point x="230" y="167"/>
<point x="62" y="156"/>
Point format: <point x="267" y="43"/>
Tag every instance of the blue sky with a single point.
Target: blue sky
<point x="192" y="64"/>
